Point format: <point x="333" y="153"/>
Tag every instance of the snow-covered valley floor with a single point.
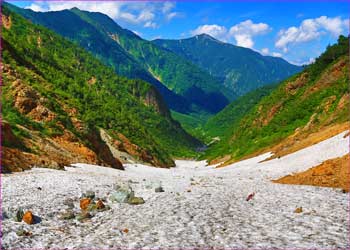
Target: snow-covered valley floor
<point x="212" y="212"/>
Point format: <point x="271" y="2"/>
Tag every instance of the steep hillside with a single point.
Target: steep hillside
<point x="57" y="98"/>
<point x="185" y="87"/>
<point x="315" y="99"/>
<point x="218" y="125"/>
<point x="240" y="69"/>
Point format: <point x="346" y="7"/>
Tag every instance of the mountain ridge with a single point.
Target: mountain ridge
<point x="92" y="28"/>
<point x="240" y="69"/>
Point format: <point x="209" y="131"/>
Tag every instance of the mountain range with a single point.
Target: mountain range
<point x="193" y="78"/>
<point x="239" y="69"/>
<point x="77" y="87"/>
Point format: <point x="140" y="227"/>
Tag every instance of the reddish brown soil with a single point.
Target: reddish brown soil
<point x="332" y="173"/>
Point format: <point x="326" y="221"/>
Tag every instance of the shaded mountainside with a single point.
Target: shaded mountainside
<point x="312" y="100"/>
<point x="185" y="87"/>
<point x="240" y="69"/>
<point x="56" y="98"/>
<point x="218" y="125"/>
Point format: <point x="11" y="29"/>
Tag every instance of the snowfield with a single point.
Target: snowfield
<point x="201" y="206"/>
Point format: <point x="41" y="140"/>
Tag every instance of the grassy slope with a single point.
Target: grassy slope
<point x="317" y="92"/>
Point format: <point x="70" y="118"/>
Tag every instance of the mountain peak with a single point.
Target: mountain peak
<point x="206" y="37"/>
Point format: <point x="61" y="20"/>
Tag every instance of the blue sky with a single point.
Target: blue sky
<point x="297" y="31"/>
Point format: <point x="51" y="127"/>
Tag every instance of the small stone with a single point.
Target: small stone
<point x="125" y="230"/>
<point x="69" y="202"/>
<point x="22" y="232"/>
<point x="92" y="207"/>
<point x="83" y="216"/>
<point x="122" y="194"/>
<point x="89" y="194"/>
<point x="159" y="190"/>
<point x="298" y="210"/>
<point x="18" y="216"/>
<point x="136" y="201"/>
<point x="100" y="205"/>
<point x="68" y="215"/>
<point x="104" y="209"/>
<point x="84" y="203"/>
<point x="28" y="218"/>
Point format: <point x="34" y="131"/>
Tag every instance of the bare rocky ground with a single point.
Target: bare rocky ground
<point x="201" y="206"/>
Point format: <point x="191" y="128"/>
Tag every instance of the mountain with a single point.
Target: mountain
<point x="313" y="101"/>
<point x="240" y="69"/>
<point x="61" y="105"/>
<point x="185" y="87"/>
<point x="218" y="125"/>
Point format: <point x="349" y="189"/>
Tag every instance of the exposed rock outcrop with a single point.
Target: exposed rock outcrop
<point x="154" y="99"/>
<point x="124" y="144"/>
<point x="34" y="149"/>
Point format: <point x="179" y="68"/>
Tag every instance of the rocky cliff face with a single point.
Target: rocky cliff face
<point x="32" y="147"/>
<point x="154" y="99"/>
<point x="78" y="144"/>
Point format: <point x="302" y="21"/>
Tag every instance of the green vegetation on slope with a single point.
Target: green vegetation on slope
<point x="308" y="100"/>
<point x="131" y="56"/>
<point x="62" y="73"/>
<point x="177" y="74"/>
<point x="240" y="69"/>
<point x="218" y="125"/>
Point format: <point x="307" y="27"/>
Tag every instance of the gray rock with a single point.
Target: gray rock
<point x="18" y="215"/>
<point x="159" y="190"/>
<point x="89" y="194"/>
<point x="69" y="202"/>
<point x="67" y="215"/>
<point x="136" y="201"/>
<point x="22" y="232"/>
<point x="121" y="194"/>
<point x="83" y="216"/>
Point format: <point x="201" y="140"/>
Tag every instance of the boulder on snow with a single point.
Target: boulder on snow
<point x="121" y="194"/>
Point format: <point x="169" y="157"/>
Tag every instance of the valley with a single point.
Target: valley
<point x="112" y="140"/>
<point x="201" y="205"/>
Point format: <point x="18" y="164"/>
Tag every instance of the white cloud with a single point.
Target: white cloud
<point x="168" y="6"/>
<point x="276" y="54"/>
<point x="265" y="51"/>
<point x="306" y="62"/>
<point x="172" y="15"/>
<point x="214" y="30"/>
<point x="310" y="29"/>
<point x="150" y="24"/>
<point x="36" y="7"/>
<point x="145" y="14"/>
<point x="244" y="32"/>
